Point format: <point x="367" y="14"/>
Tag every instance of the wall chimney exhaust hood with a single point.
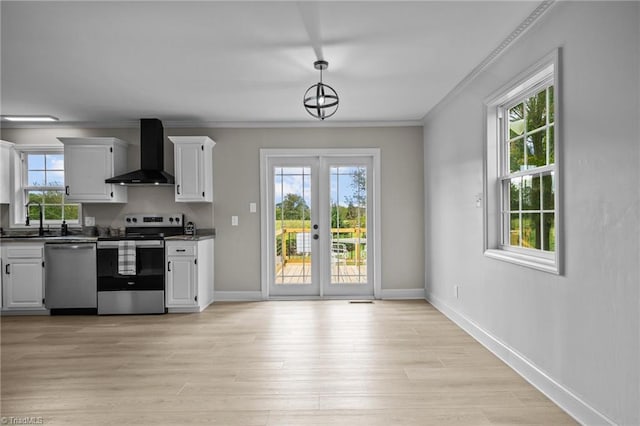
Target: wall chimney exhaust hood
<point x="151" y="158"/>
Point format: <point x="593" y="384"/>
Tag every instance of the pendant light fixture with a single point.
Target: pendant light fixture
<point x="320" y="100"/>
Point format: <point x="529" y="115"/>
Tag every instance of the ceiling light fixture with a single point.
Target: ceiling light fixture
<point x="26" y="118"/>
<point x="320" y="100"/>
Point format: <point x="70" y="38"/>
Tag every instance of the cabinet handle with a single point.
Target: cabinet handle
<point x="178" y="189"/>
<point x="202" y="194"/>
<point x="6" y="269"/>
<point x="66" y="190"/>
<point x="111" y="194"/>
<point x="181" y="250"/>
<point x="169" y="266"/>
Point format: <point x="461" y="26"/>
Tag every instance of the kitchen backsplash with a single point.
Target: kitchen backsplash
<point x="149" y="199"/>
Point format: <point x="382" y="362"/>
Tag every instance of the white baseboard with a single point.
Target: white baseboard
<point x="237" y="296"/>
<point x="409" y="293"/>
<point x="567" y="400"/>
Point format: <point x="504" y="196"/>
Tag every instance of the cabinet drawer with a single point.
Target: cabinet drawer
<point x="182" y="250"/>
<point x="24" y="252"/>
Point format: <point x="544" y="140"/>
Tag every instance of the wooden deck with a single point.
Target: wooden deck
<point x="299" y="273"/>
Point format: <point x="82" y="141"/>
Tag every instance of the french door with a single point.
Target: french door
<point x="318" y="223"/>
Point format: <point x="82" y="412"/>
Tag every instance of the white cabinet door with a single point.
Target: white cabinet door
<point x="23" y="277"/>
<point x="86" y="167"/>
<point x="181" y="281"/>
<point x="87" y="163"/>
<point x="189" y="169"/>
<point x="193" y="156"/>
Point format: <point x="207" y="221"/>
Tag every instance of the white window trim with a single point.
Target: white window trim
<point x="528" y="81"/>
<point x="17" y="211"/>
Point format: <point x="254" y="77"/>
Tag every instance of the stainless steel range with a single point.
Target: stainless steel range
<point x="131" y="276"/>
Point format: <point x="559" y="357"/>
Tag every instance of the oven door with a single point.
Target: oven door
<point x="149" y="267"/>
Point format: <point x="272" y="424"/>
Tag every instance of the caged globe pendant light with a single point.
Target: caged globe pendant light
<point x="320" y="100"/>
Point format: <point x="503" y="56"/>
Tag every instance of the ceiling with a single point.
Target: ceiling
<point x="242" y="62"/>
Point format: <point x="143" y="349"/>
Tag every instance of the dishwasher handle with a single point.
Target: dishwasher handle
<point x="66" y="246"/>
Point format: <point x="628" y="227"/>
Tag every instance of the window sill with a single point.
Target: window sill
<point x="533" y="262"/>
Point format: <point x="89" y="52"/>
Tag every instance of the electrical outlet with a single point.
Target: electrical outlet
<point x="253" y="207"/>
<point x="234" y="220"/>
<point x="89" y="221"/>
<point x="479" y="199"/>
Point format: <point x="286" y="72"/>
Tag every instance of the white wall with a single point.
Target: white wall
<point x="581" y="328"/>
<point x="237" y="183"/>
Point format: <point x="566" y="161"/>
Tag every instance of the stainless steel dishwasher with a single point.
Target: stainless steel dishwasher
<point x="70" y="278"/>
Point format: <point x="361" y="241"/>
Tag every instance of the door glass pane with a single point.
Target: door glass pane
<point x="348" y="212"/>
<point x="292" y="215"/>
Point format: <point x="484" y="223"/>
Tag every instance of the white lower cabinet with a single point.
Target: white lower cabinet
<point x="23" y="277"/>
<point x="189" y="275"/>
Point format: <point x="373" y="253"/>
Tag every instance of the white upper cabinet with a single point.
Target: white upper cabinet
<point x="6" y="148"/>
<point x="193" y="168"/>
<point x="87" y="163"/>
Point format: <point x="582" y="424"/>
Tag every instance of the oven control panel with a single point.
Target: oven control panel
<point x="154" y="220"/>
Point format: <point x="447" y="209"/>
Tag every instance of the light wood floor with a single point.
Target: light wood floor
<point x="263" y="363"/>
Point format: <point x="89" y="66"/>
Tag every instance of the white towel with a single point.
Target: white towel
<point x="126" y="257"/>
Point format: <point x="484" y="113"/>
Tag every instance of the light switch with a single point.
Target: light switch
<point x="234" y="220"/>
<point x="252" y="207"/>
<point x="89" y="221"/>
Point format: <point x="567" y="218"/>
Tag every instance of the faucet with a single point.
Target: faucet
<point x="41" y="228"/>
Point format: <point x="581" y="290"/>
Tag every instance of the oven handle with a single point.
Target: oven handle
<point x="138" y="244"/>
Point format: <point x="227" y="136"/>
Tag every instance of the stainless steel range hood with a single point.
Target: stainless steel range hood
<point x="151" y="158"/>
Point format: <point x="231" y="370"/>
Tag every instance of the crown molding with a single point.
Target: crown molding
<point x="529" y="21"/>
<point x="215" y="124"/>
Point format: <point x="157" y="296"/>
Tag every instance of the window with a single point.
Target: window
<point x="521" y="182"/>
<point x="40" y="172"/>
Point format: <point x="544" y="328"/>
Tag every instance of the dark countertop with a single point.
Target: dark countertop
<point x="17" y="238"/>
<point x="201" y="234"/>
